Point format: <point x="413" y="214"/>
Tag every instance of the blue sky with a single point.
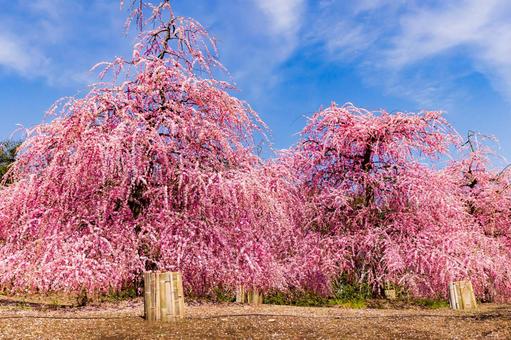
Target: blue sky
<point x="287" y="57"/>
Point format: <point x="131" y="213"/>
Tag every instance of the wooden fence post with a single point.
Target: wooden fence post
<point x="461" y="295"/>
<point x="390" y="294"/>
<point x="389" y="291"/>
<point x="254" y="297"/>
<point x="163" y="296"/>
<point x="241" y="296"/>
<point x="251" y="296"/>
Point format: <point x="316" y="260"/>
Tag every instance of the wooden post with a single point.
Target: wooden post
<point x="163" y="296"/>
<point x="254" y="297"/>
<point x="461" y="295"/>
<point x="389" y="291"/>
<point x="251" y="296"/>
<point x="241" y="296"/>
<point x="390" y="294"/>
<point x="150" y="296"/>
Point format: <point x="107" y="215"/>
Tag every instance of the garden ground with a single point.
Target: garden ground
<point x="27" y="319"/>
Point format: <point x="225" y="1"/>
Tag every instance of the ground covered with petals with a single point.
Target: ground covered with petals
<point x="229" y="321"/>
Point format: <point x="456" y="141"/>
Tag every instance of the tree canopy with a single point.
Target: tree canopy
<point x="156" y="168"/>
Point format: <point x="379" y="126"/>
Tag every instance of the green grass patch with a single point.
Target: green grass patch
<point x="222" y="295"/>
<point x="430" y="303"/>
<point x="115" y="296"/>
<point x="351" y="304"/>
<point x="310" y="299"/>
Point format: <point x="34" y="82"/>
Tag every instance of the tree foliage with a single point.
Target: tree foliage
<point x="400" y="221"/>
<point x="155" y="168"/>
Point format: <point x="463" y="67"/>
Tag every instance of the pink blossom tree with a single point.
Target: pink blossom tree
<point x="153" y="169"/>
<point x="486" y="196"/>
<point x="397" y="220"/>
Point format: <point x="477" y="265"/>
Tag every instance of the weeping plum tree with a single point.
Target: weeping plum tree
<point x="153" y="169"/>
<point x="486" y="196"/>
<point x="396" y="220"/>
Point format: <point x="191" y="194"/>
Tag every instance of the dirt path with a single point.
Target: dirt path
<point x="124" y="321"/>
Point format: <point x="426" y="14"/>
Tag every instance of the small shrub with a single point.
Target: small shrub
<point x="115" y="296"/>
<point x="223" y="295"/>
<point x="346" y="290"/>
<point x="347" y="296"/>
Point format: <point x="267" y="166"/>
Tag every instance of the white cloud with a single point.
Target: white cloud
<point x="283" y="24"/>
<point x="24" y="40"/>
<point x="12" y="55"/>
<point x="284" y="15"/>
<point x="361" y="6"/>
<point x="258" y="40"/>
<point x="59" y="40"/>
<point x="50" y="8"/>
<point x="426" y="33"/>
<point x="349" y="29"/>
<point x="44" y="22"/>
<point x="391" y="39"/>
<point x="345" y="41"/>
<point x="19" y="57"/>
<point x="480" y="30"/>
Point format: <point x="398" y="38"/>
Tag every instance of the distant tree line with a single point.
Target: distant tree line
<point x="8" y="149"/>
